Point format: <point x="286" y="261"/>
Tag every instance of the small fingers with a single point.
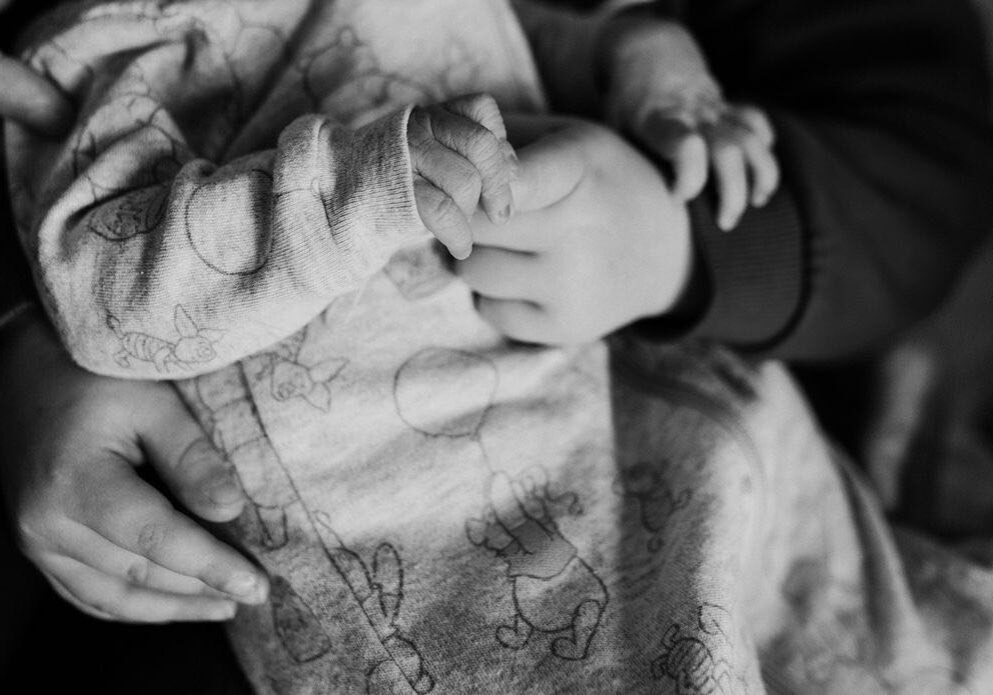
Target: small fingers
<point x="732" y="185"/>
<point x="123" y="565"/>
<point x="764" y="171"/>
<point x="731" y="178"/>
<point x="481" y="108"/>
<point x="678" y="143"/>
<point x="144" y="523"/>
<point x="109" y="598"/>
<point x="755" y="121"/>
<point x="689" y="164"/>
<point x="490" y="154"/>
<point x="203" y="481"/>
<point x="741" y="155"/>
<point x="195" y="471"/>
<point x="443" y="217"/>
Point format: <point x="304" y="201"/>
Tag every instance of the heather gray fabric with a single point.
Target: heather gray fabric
<point x="440" y="510"/>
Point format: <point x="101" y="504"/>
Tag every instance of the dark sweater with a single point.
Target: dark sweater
<point x="882" y="114"/>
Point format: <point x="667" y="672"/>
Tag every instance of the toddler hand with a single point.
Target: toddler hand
<point x="107" y="541"/>
<point x="597" y="242"/>
<point x="461" y="160"/>
<point x="662" y="94"/>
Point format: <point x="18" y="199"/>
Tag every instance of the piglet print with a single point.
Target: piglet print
<point x="290" y="377"/>
<point x="194" y="346"/>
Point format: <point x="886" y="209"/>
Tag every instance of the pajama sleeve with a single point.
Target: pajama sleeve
<point x="158" y="260"/>
<point x="881" y="110"/>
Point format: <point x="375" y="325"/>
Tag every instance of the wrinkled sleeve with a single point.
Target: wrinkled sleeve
<point x="155" y="261"/>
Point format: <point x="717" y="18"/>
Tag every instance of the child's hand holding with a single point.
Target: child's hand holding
<point x="660" y="92"/>
<point x="461" y="160"/>
<point x="598" y="240"/>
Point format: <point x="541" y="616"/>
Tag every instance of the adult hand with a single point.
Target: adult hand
<point x="109" y="542"/>
<point x="597" y="240"/>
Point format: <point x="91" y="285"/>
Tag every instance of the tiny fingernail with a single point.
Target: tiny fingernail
<point x="225" y="490"/>
<point x="503" y="215"/>
<point x="243" y="585"/>
<point x="224" y="611"/>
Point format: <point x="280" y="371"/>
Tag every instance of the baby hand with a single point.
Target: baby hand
<point x="107" y="541"/>
<point x="736" y="145"/>
<point x="461" y="160"/>
<point x="661" y="92"/>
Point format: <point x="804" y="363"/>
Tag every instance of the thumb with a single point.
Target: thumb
<point x="194" y="470"/>
<point x="31" y="100"/>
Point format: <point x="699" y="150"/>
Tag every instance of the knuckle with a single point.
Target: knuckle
<point x="32" y="529"/>
<point x="485" y="147"/>
<point x="138" y="572"/>
<point x="212" y="574"/>
<point x="151" y="536"/>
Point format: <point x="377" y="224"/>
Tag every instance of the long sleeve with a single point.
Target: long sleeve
<point x="566" y="42"/>
<point x="16" y="291"/>
<point x="153" y="260"/>
<point x="882" y="115"/>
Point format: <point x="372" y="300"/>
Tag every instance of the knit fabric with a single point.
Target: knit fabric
<point x="439" y="510"/>
<point x="196" y="214"/>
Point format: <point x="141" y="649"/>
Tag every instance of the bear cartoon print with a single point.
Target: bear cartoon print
<point x="555" y="592"/>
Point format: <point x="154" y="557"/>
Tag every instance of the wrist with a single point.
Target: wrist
<point x="613" y="33"/>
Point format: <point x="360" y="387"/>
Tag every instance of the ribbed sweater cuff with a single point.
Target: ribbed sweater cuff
<point x="748" y="284"/>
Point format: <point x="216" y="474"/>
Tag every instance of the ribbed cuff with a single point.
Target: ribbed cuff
<point x="391" y="218"/>
<point x="748" y="284"/>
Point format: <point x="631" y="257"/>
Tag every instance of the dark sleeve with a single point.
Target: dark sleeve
<point x="881" y="110"/>
<point x="16" y="288"/>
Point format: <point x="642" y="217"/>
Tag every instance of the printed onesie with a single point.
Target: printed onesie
<point x="439" y="510"/>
